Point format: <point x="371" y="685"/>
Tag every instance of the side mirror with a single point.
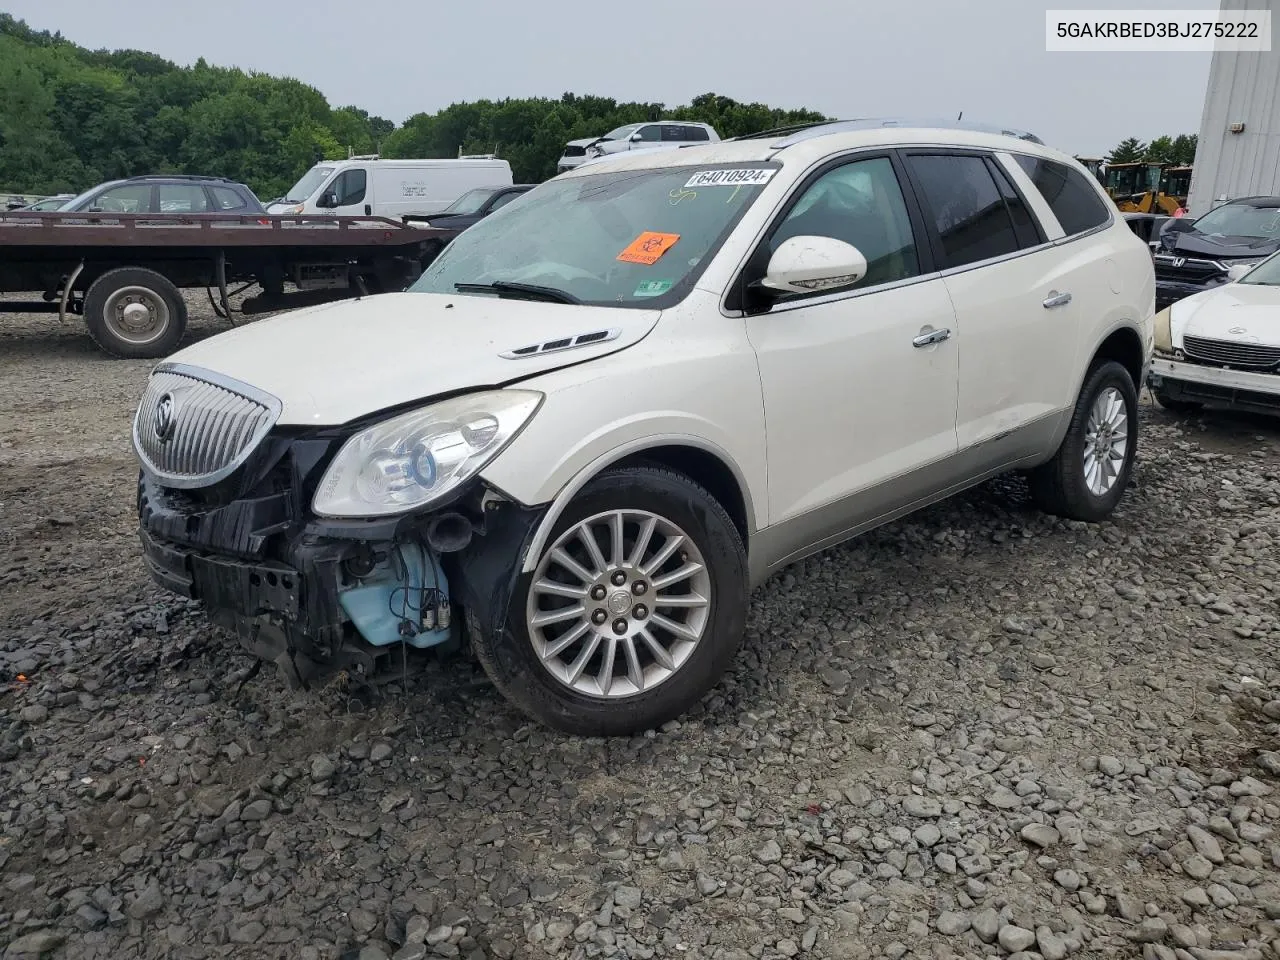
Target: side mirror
<point x="328" y="200"/>
<point x="1238" y="270"/>
<point x="813" y="264"/>
<point x="635" y="137"/>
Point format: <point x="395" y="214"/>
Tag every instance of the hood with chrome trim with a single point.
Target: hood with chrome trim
<point x="333" y="363"/>
<point x="1243" y="312"/>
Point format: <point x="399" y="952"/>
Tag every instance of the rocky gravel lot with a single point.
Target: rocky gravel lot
<point x="978" y="732"/>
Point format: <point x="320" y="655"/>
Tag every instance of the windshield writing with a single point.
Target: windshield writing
<point x="627" y="238"/>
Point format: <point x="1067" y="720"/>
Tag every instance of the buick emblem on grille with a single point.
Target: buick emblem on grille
<point x="165" y="418"/>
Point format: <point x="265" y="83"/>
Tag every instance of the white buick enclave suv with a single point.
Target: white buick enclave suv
<point x="608" y="411"/>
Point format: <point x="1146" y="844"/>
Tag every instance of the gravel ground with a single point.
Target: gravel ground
<point x="977" y="732"/>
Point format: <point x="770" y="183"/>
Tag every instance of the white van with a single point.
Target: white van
<point x="369" y="186"/>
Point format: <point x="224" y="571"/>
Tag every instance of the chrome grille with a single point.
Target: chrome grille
<point x="194" y="428"/>
<point x="1232" y="353"/>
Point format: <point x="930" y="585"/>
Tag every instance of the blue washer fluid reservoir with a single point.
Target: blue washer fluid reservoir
<point x="397" y="589"/>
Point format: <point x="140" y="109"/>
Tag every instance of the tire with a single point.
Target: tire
<point x="153" y="331"/>
<point x="620" y="706"/>
<point x="1060" y="486"/>
<point x="1176" y="406"/>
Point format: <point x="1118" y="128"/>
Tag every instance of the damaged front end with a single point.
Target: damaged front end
<point x="226" y="507"/>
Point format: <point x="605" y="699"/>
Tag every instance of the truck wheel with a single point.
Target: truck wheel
<point x="1087" y="477"/>
<point x="135" y="313"/>
<point x="1176" y="406"/>
<point x="634" y="610"/>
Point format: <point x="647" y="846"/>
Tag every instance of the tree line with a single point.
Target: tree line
<point x="1179" y="151"/>
<point x="71" y="118"/>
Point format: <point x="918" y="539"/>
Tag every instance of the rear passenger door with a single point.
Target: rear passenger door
<point x="1013" y="294"/>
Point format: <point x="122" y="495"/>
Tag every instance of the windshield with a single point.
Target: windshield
<point x="1266" y="273"/>
<point x="621" y="132"/>
<point x="78" y="201"/>
<point x="471" y="201"/>
<point x="1240" y="220"/>
<point x="634" y="238"/>
<point x="308" y="185"/>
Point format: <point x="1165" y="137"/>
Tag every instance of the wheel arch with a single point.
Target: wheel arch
<point x="700" y="460"/>
<point x="1124" y="345"/>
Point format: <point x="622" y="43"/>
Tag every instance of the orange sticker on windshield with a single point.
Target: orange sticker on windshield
<point x="648" y="247"/>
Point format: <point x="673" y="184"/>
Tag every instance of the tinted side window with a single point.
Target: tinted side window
<point x="183" y="198"/>
<point x="860" y="203"/>
<point x="227" y="199"/>
<point x="350" y="187"/>
<point x="1024" y="224"/>
<point x="696" y="133"/>
<point x="130" y="198"/>
<point x="966" y="207"/>
<point x="653" y="132"/>
<point x="674" y="134"/>
<point x="1070" y="196"/>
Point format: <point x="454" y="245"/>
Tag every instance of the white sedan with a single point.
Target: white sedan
<point x="1222" y="346"/>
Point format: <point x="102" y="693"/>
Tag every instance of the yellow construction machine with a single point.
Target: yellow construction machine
<point x="1141" y="187"/>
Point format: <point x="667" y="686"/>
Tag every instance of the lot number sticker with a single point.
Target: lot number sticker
<point x="730" y="178"/>
<point x="648" y="247"/>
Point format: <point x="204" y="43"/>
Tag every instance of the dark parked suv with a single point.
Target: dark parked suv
<point x="170" y="193"/>
<point x="1193" y="254"/>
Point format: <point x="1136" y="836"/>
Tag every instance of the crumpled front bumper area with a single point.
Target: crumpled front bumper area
<point x="312" y="604"/>
<point x="318" y="597"/>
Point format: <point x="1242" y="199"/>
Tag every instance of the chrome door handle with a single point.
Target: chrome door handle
<point x="933" y="336"/>
<point x="1058" y="300"/>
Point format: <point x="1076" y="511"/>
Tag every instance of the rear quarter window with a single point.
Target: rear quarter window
<point x="1069" y="194"/>
<point x="224" y="198"/>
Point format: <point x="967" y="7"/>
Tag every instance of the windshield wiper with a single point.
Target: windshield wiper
<point x="499" y="286"/>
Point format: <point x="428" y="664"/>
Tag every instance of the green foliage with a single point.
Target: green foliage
<point x="71" y="118"/>
<point x="1129" y="150"/>
<point x="1179" y="151"/>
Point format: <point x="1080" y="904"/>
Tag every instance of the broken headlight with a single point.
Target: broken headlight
<point x="416" y="458"/>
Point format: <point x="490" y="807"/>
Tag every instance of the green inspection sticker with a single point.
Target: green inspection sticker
<point x="652" y="288"/>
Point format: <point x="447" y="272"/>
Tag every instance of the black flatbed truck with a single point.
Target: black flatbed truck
<point x="122" y="272"/>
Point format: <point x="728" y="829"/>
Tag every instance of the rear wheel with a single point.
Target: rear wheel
<point x="135" y="313"/>
<point x="1087" y="477"/>
<point x="634" y="610"/>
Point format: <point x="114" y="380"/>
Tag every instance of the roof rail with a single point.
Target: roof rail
<point x="779" y="131"/>
<point x="176" y="176"/>
<point x="808" y="131"/>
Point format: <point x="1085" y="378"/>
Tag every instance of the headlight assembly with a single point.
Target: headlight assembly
<point x="417" y="458"/>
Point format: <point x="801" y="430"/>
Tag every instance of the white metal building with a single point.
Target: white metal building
<point x="1238" y="152"/>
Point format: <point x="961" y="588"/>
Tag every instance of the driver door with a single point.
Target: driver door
<point x="351" y="187"/>
<point x="860" y="385"/>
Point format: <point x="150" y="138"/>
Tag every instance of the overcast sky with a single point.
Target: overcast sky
<point x="846" y="58"/>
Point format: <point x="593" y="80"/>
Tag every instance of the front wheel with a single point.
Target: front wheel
<point x="1087" y="477"/>
<point x="634" y="610"/>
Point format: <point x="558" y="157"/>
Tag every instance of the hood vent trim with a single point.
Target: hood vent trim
<point x="561" y="344"/>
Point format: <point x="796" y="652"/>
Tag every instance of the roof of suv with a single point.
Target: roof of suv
<point x="807" y="143"/>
